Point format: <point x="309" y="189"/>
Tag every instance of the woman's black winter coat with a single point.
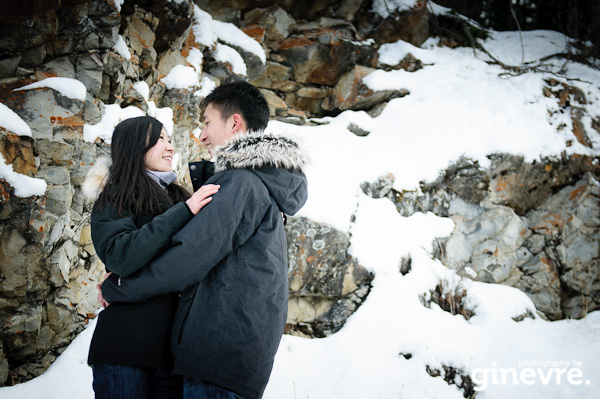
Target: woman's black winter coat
<point x="134" y="334"/>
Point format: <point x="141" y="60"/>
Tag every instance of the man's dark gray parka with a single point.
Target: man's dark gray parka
<point x="230" y="262"/>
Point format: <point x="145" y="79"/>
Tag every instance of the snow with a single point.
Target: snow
<point x="229" y="33"/>
<point x="68" y="87"/>
<point x="203" y="29"/>
<point x="537" y="44"/>
<point x="142" y="88"/>
<point x="181" y="77"/>
<point x="55" y="383"/>
<point x="363" y="359"/>
<point x="112" y="114"/>
<point x="118" y="4"/>
<point x="121" y="48"/>
<point x="459" y="105"/>
<point x="229" y="55"/>
<point x="386" y="7"/>
<point x="195" y="59"/>
<point x="24" y="186"/>
<point x="207" y="31"/>
<point x="439" y="10"/>
<point x="9" y="120"/>
<point x="207" y="85"/>
<point x="211" y="33"/>
<point x="164" y="115"/>
<point x="187" y="77"/>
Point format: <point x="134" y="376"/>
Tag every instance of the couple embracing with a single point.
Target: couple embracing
<point x="197" y="294"/>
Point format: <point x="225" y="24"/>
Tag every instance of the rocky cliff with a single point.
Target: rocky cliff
<point x="532" y="226"/>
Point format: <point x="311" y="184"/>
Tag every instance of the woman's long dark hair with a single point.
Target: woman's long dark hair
<point x="128" y="187"/>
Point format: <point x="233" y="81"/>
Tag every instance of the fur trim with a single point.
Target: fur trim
<point x="255" y="150"/>
<point x="96" y="178"/>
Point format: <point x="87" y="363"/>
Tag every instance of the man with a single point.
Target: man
<point x="230" y="261"/>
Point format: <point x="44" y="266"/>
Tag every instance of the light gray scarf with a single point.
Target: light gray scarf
<point x="162" y="178"/>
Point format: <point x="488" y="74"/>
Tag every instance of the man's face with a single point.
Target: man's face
<point x="217" y="131"/>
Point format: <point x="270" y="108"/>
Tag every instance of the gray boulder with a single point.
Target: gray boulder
<point x="326" y="284"/>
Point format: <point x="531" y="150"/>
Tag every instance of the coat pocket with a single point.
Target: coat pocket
<point x="185" y="302"/>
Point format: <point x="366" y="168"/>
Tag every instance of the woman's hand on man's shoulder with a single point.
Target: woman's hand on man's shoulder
<point x="201" y="197"/>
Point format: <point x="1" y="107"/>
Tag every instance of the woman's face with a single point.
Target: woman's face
<point x="160" y="157"/>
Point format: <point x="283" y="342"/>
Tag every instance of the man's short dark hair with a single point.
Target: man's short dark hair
<point x="241" y="98"/>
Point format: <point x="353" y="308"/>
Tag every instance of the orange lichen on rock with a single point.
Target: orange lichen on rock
<point x="255" y="31"/>
<point x="577" y="192"/>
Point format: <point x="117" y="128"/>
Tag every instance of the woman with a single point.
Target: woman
<point x="137" y="211"/>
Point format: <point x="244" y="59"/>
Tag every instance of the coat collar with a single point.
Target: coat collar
<point x="256" y="149"/>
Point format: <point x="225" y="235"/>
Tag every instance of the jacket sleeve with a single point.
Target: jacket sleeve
<point x="224" y="224"/>
<point x="123" y="247"/>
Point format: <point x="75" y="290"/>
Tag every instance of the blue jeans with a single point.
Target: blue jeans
<point x="194" y="388"/>
<point x="132" y="382"/>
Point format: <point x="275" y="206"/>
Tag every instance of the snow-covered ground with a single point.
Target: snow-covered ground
<point x="458" y="105"/>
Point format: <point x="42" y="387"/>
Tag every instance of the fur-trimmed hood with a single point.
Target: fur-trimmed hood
<point x="256" y="150"/>
<point x="96" y="178"/>
<point x="278" y="162"/>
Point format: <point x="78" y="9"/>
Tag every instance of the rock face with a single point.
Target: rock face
<point x="48" y="266"/>
<point x="409" y="25"/>
<point x="351" y="93"/>
<point x="533" y="226"/>
<point x="326" y="284"/>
